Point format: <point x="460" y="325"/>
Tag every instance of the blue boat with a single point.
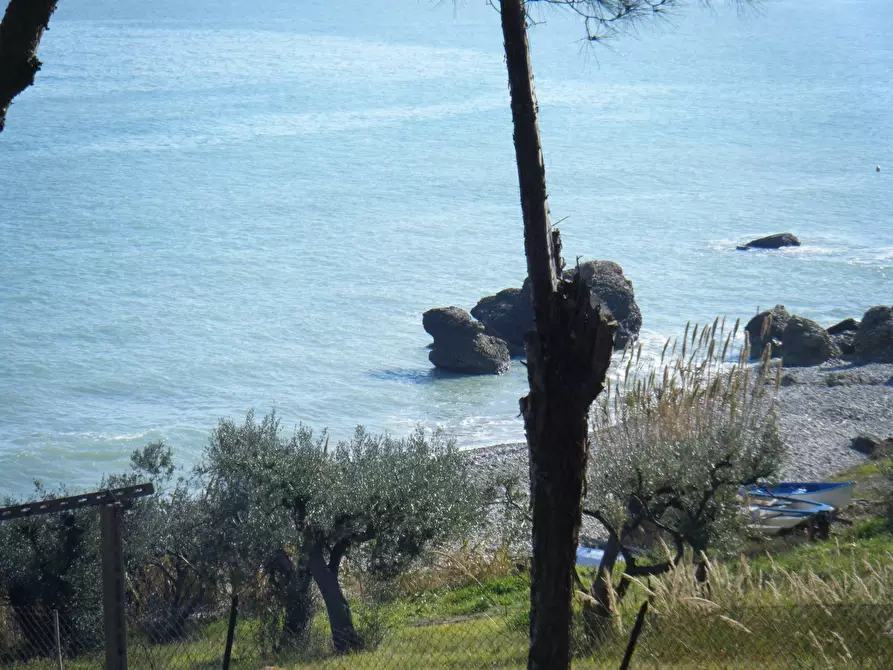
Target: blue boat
<point x="835" y="494"/>
<point x="592" y="556"/>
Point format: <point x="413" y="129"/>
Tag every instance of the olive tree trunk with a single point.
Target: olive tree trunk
<point x="20" y="31"/>
<point x="568" y="356"/>
<point x="344" y="635"/>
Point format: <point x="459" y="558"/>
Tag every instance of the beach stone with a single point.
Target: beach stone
<point x="845" y="326"/>
<point x="874" y="339"/>
<point x="804" y="343"/>
<point x="780" y="317"/>
<point x="460" y="344"/>
<point x="507" y="315"/>
<point x="608" y="284"/>
<point x="848" y="378"/>
<point x="478" y="354"/>
<point x="776" y="241"/>
<point x="872" y="446"/>
<point x="789" y="380"/>
<point x="845" y="342"/>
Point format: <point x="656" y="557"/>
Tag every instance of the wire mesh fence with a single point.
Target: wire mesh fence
<point x="35" y="636"/>
<point x="697" y="635"/>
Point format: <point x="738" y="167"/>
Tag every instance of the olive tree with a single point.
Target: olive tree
<point x="50" y="562"/>
<point x="238" y="474"/>
<point x="170" y="571"/>
<point x="391" y="498"/>
<point x="675" y="443"/>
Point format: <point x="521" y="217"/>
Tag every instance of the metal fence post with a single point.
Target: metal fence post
<point x="58" y="639"/>
<point x="113" y="588"/>
<point x="231" y="632"/>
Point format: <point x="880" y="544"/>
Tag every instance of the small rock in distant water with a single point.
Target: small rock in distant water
<point x="805" y="343"/>
<point x="776" y="241"/>
<point x="460" y="344"/>
<point x="845" y="326"/>
<point x="872" y="446"/>
<point x="874" y="339"/>
<point x="779" y="321"/>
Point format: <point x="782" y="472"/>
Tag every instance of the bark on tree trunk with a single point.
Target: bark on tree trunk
<point x="344" y="636"/>
<point x="297" y="608"/>
<point x="20" y="32"/>
<point x="567" y="360"/>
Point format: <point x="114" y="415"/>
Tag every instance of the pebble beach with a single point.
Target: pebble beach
<point x="820" y="410"/>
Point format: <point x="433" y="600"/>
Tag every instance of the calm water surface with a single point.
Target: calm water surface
<point x="238" y="204"/>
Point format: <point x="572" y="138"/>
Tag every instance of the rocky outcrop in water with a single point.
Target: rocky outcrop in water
<point x="779" y="321"/>
<point x="776" y="241"/>
<point x="507" y="315"/>
<point x="613" y="290"/>
<point x="805" y="343"/>
<point x="460" y="344"/>
<point x="873" y="342"/>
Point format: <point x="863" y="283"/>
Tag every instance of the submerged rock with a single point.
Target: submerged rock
<point x="874" y="339"/>
<point x="778" y="318"/>
<point x="776" y="241"/>
<point x="460" y="344"/>
<point x="804" y="342"/>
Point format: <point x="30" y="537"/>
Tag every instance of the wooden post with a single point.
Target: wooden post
<point x="113" y="588"/>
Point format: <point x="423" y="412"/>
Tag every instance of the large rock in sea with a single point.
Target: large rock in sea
<point x="804" y="342"/>
<point x="776" y="241"/>
<point x="460" y="344"/>
<point x="507" y="315"/>
<point x="779" y="321"/>
<point x="613" y="290"/>
<point x="874" y="339"/>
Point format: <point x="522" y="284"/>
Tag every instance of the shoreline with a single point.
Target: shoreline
<point x="820" y="409"/>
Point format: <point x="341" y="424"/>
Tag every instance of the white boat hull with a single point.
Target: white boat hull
<point x="838" y="498"/>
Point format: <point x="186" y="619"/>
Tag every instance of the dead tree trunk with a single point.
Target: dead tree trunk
<point x="20" y="33"/>
<point x="567" y="358"/>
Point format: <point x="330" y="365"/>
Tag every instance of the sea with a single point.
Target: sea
<point x="214" y="206"/>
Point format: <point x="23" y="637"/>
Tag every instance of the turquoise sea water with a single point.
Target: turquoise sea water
<point x="227" y="205"/>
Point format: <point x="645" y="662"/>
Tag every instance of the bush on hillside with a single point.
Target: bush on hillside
<point x="671" y="446"/>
